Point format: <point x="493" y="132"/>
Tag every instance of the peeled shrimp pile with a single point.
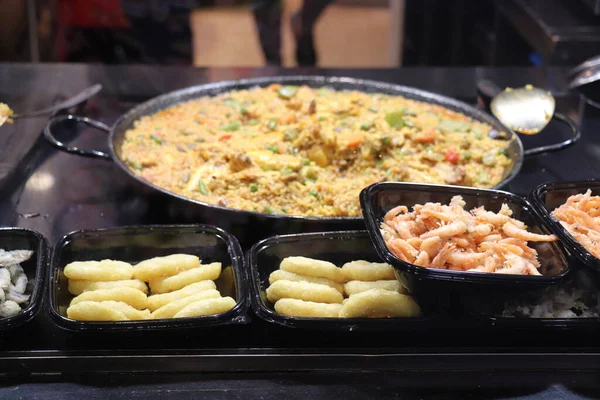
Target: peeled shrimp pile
<point x="580" y="215"/>
<point x="449" y="237"/>
<point x="13" y="281"/>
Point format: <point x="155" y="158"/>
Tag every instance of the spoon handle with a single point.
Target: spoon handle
<point x="68" y="103"/>
<point x="486" y="91"/>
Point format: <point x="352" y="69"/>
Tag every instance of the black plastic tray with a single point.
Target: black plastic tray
<point x="35" y="269"/>
<point x="134" y="244"/>
<point x="377" y="199"/>
<point x="549" y="196"/>
<point x="338" y="248"/>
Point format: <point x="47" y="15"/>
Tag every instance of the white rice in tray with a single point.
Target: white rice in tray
<point x="576" y="300"/>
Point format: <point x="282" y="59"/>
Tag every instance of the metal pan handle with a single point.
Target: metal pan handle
<point x="576" y="135"/>
<point x="71" y="149"/>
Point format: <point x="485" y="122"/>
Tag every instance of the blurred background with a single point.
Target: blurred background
<point x="334" y="33"/>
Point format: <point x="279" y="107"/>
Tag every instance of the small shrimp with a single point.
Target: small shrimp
<point x="594" y="213"/>
<point x="517" y="223"/>
<point x="432" y="246"/>
<point x="429" y="222"/>
<point x="563" y="214"/>
<point x="491" y="218"/>
<point x="482" y="230"/>
<point x="452" y="229"/>
<point x="505" y="210"/>
<point x="582" y="218"/>
<point x="583" y="239"/>
<point x="419" y="228"/>
<point x="491" y="238"/>
<point x="457" y="201"/>
<point x="442" y="256"/>
<point x="522" y="244"/>
<point x="422" y="259"/>
<point x="489" y="265"/>
<point x="463" y="258"/>
<point x="387" y="232"/>
<point x="415" y="242"/>
<point x="401" y="247"/>
<point x="445" y="217"/>
<point x="401" y="228"/>
<point x="502" y="248"/>
<point x="532" y="270"/>
<point x="575" y="199"/>
<point x="513" y="231"/>
<point x="513" y="265"/>
<point x="394" y="212"/>
<point x="462" y="242"/>
<point x="585" y="199"/>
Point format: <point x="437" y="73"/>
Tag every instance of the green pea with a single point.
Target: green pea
<point x="231" y="127"/>
<point x="314" y="193"/>
<point x="274" y="148"/>
<point x="253" y="187"/>
<point x="366" y="126"/>
<point x="269" y="210"/>
<point x="135" y="165"/>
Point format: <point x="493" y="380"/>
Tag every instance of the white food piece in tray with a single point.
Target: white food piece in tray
<point x="9" y="308"/>
<point x="13" y="281"/>
<point x="14" y="257"/>
<point x="20" y="283"/>
<point x="15" y="296"/>
<point x="4" y="279"/>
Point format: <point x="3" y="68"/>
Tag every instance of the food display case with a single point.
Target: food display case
<point x="54" y="193"/>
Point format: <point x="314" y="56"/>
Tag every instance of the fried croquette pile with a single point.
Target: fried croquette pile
<point x="110" y="290"/>
<point x="305" y="287"/>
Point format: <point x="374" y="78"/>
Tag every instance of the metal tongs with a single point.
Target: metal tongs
<point x="68" y="103"/>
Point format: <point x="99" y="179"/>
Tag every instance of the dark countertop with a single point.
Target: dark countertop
<point x="55" y="193"/>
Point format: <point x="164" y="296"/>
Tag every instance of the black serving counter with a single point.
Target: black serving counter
<point x="55" y="193"/>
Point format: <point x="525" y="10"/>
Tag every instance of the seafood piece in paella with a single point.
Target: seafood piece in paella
<point x="449" y="237"/>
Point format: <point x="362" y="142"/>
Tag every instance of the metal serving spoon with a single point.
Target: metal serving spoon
<point x="526" y="110"/>
<point x="80" y="97"/>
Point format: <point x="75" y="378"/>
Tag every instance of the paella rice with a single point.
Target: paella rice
<point x="308" y="151"/>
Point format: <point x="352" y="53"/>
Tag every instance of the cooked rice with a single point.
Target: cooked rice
<point x="305" y="151"/>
